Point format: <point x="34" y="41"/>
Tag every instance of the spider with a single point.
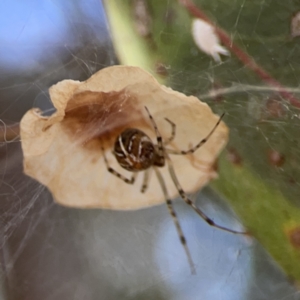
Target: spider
<point x="135" y="152"/>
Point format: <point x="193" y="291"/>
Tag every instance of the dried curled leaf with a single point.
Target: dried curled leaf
<point x="63" y="151"/>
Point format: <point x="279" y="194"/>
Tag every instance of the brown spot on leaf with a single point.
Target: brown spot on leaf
<point x="294" y="237"/>
<point x="234" y="157"/>
<point x="161" y="69"/>
<point x="142" y="18"/>
<point x="276" y="158"/>
<point x="292" y="180"/>
<point x="295" y="25"/>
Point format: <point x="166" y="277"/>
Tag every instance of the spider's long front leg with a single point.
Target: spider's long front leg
<point x="175" y="219"/>
<point x="201" y="143"/>
<point x="160" y="146"/>
<point x="117" y="174"/>
<point x="192" y="204"/>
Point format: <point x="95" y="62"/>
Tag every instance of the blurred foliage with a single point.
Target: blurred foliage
<point x="260" y="169"/>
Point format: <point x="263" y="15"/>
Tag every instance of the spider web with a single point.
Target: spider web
<point x="52" y="252"/>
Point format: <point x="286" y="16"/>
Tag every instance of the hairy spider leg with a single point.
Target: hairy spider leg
<point x="168" y="201"/>
<point x="192" y="204"/>
<point x="171" y="138"/>
<point x="201" y="143"/>
<point x="175" y="220"/>
<point x="173" y="133"/>
<point x="160" y="145"/>
<point x="114" y="172"/>
<point x="147" y="174"/>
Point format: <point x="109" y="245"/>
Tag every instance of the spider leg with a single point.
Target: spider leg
<point x="203" y="141"/>
<point x="117" y="174"/>
<point x="160" y="146"/>
<point x="175" y="219"/>
<point x="171" y="138"/>
<point x="192" y="204"/>
<point x="147" y="174"/>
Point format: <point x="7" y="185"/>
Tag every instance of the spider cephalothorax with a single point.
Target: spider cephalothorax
<point x="135" y="151"/>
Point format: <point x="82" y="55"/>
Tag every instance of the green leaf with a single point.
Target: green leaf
<point x="257" y="88"/>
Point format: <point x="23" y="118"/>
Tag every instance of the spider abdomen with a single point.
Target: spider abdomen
<point x="134" y="150"/>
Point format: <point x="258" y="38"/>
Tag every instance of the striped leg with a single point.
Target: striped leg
<point x="117" y="174"/>
<point x="175" y="219"/>
<point x="201" y="143"/>
<point x="192" y="204"/>
<point x="160" y="146"/>
<point x="173" y="133"/>
<point x="147" y="174"/>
